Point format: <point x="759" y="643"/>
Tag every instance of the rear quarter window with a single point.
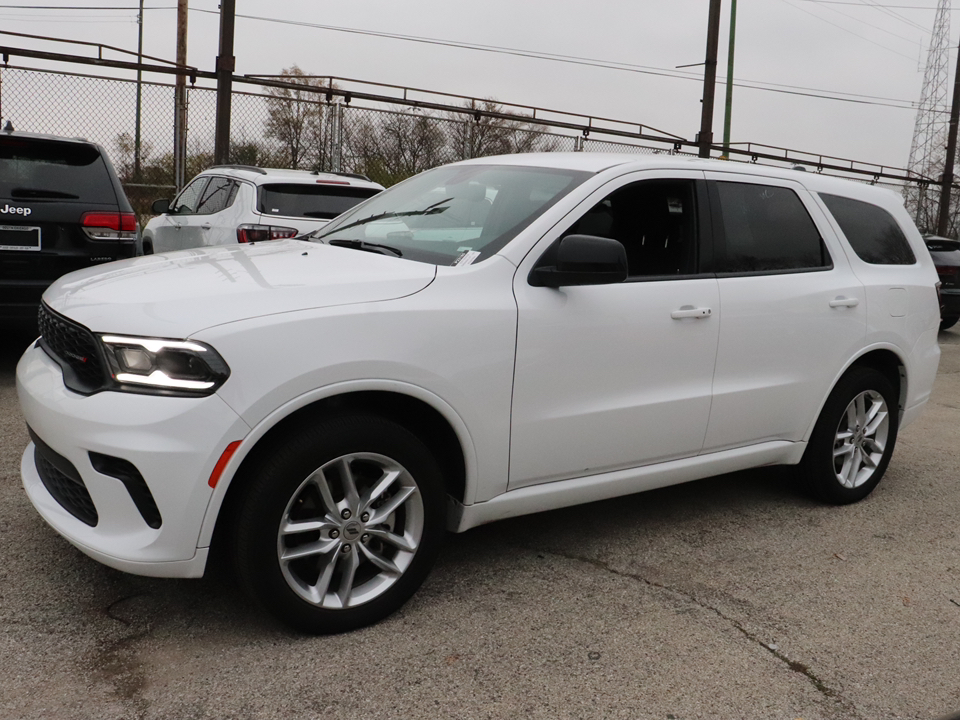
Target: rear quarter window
<point x="51" y="170"/>
<point x="320" y="202"/>
<point x="872" y="232"/>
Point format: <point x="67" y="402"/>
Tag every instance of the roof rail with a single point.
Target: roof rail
<point x="251" y="168"/>
<point x="358" y="176"/>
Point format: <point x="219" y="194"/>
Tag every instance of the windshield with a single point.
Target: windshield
<point x="453" y="215"/>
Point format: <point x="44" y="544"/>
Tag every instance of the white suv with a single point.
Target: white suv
<point x="229" y="204"/>
<point x="492" y="338"/>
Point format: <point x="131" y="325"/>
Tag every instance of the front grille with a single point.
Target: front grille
<point x="63" y="482"/>
<point x="74" y="348"/>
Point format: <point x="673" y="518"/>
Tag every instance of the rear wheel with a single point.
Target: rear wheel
<point x="853" y="439"/>
<point x="341" y="524"/>
<point x="948" y="322"/>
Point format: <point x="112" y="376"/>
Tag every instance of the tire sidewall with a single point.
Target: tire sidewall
<point x="281" y="473"/>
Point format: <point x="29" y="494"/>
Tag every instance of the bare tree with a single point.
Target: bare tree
<point x="296" y="120"/>
<point x="390" y="147"/>
<point x="482" y="135"/>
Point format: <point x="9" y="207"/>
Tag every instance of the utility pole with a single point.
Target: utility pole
<point x="728" y="111"/>
<point x="136" y="139"/>
<point x="180" y="101"/>
<point x="226" y="64"/>
<point x="944" y="219"/>
<point x="705" y="138"/>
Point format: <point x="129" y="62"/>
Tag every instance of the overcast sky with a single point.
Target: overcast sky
<point x="872" y="51"/>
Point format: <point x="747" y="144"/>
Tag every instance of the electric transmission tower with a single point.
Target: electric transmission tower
<point x="929" y="147"/>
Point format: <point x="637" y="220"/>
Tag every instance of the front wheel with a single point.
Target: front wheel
<point x="853" y="439"/>
<point x="948" y="322"/>
<point x="340" y="524"/>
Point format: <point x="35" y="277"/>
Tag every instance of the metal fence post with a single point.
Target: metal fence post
<point x="336" y="138"/>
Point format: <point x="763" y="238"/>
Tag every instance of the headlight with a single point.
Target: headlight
<point x="163" y="367"/>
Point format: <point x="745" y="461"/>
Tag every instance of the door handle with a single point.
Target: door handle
<point x="206" y="226"/>
<point x="844" y="302"/>
<point x="688" y="311"/>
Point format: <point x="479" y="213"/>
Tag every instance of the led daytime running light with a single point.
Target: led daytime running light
<point x="159" y="379"/>
<point x="164" y="366"/>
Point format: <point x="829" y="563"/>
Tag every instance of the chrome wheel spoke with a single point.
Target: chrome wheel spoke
<point x="350" y="494"/>
<point x="382" y="485"/>
<point x="872" y="446"/>
<point x="321" y="547"/>
<point x="877" y="420"/>
<point x="391" y="505"/>
<point x="383" y="563"/>
<point x="294" y="527"/>
<point x="401" y="542"/>
<point x="844" y="449"/>
<point x="319" y="589"/>
<point x="349" y="564"/>
<point x="319" y="481"/>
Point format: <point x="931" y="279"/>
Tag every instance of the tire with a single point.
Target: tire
<point x="948" y="322"/>
<point x="148" y="247"/>
<point x="843" y="463"/>
<point x="369" y="499"/>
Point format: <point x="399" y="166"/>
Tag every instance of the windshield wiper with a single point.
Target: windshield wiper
<point x="364" y="245"/>
<point x="428" y="210"/>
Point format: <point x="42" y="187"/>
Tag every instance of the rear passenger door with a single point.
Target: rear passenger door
<point x="793" y="310"/>
<point x="212" y="222"/>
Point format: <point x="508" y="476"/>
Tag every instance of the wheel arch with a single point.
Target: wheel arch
<point x="886" y="360"/>
<point x="421" y="412"/>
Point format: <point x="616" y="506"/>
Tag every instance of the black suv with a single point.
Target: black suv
<point x="62" y="208"/>
<point x="946" y="258"/>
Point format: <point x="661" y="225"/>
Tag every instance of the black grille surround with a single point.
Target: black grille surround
<point x="63" y="482"/>
<point x="75" y="349"/>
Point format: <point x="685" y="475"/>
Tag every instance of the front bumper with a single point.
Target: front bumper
<point x="174" y="443"/>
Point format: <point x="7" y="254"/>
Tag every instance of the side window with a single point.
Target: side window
<point x="871" y="231"/>
<point x="187" y="201"/>
<point x="766" y="229"/>
<point x="217" y="196"/>
<point x="655" y="221"/>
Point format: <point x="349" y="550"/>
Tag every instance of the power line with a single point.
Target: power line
<point x="591" y="62"/>
<point x="875" y="27"/>
<point x="847" y="30"/>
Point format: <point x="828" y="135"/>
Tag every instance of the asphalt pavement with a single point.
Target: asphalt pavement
<point x="732" y="597"/>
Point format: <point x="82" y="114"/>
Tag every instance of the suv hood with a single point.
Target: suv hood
<point x="178" y="294"/>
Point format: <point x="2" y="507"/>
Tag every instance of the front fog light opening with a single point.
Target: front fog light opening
<point x="164" y="366"/>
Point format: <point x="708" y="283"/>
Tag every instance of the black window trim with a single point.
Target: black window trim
<point x="719" y="233"/>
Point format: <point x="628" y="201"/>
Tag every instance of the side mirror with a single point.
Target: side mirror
<point x="581" y="260"/>
<point x="160" y="207"/>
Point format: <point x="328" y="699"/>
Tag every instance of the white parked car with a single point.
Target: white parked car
<point x="229" y="204"/>
<point x="492" y="338"/>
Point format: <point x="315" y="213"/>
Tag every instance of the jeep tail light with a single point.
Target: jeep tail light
<point x="258" y="233"/>
<point x="109" y="225"/>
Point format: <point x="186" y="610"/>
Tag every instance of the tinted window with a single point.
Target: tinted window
<point x="871" y="231"/>
<point x="655" y="221"/>
<point x="217" y="196"/>
<point x="766" y="229"/>
<point x="323" y="202"/>
<point x="47" y="169"/>
<point x="188" y="200"/>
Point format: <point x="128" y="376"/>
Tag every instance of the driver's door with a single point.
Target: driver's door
<point x="616" y="376"/>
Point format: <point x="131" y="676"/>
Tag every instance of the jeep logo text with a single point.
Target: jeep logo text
<point x="11" y="210"/>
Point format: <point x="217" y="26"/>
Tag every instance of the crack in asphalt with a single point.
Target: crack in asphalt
<point x="795" y="666"/>
<point x="112" y="662"/>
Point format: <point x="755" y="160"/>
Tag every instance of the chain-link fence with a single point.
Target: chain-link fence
<point x="294" y="125"/>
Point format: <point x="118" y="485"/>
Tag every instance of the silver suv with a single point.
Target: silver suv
<point x="229" y="204"/>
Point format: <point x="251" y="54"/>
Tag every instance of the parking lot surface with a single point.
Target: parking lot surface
<point x="732" y="597"/>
